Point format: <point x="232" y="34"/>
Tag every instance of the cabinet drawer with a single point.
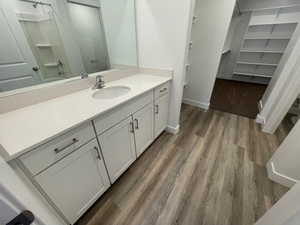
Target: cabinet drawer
<point x="109" y="119"/>
<point x="47" y="154"/>
<point x="162" y="90"/>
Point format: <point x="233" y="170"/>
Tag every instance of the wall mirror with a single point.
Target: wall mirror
<point x="51" y="40"/>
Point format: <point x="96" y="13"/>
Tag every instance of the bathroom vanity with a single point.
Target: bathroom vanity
<point x="72" y="148"/>
<point x="65" y="136"/>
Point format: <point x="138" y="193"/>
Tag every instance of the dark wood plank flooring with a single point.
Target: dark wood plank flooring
<point x="211" y="173"/>
<point x="237" y="97"/>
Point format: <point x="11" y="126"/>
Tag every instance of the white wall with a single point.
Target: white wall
<point x="163" y="35"/>
<point x="284" y="166"/>
<point x="209" y="34"/>
<point x="236" y="33"/>
<point x="231" y="32"/>
<point x="8" y="209"/>
<point x="120" y="29"/>
<point x="24" y="196"/>
<point x="286" y="211"/>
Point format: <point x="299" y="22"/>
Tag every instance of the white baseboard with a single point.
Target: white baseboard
<point x="201" y="105"/>
<point x="173" y="130"/>
<point x="260" y="119"/>
<point x="278" y="177"/>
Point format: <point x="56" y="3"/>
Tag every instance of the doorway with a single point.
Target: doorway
<point x="255" y="44"/>
<point x="236" y="97"/>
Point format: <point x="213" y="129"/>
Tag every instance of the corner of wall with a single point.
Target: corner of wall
<point x="260" y="119"/>
<point x="278" y="177"/>
<point x="173" y="130"/>
<point x="202" y="105"/>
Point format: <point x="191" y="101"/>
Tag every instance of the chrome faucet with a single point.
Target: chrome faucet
<point x="99" y="82"/>
<point x="84" y="75"/>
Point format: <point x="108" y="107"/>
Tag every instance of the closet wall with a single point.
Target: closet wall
<point x="163" y="34"/>
<point x="262" y="40"/>
<point x="208" y="38"/>
<point x="233" y="44"/>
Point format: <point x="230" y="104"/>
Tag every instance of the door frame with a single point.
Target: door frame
<point x="283" y="88"/>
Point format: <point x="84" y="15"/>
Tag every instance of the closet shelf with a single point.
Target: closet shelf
<point x="271" y="23"/>
<point x="51" y="65"/>
<point x="257" y="63"/>
<point x="225" y="51"/>
<point x="252" y="74"/>
<point x="267" y="37"/>
<point x="262" y="51"/>
<point x="43" y="45"/>
<point x="255" y="80"/>
<point x="264" y="42"/>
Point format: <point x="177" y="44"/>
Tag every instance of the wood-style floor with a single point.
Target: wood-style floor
<point x="211" y="173"/>
<point x="237" y="97"/>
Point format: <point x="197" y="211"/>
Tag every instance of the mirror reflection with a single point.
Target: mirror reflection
<point x="51" y="40"/>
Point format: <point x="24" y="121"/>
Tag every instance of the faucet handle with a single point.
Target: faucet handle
<point x="84" y="75"/>
<point x="99" y="78"/>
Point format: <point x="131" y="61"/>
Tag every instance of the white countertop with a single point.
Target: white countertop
<point x="26" y="128"/>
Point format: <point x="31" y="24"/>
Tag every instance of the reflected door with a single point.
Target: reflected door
<point x="18" y="68"/>
<point x="44" y="38"/>
<point x="90" y="36"/>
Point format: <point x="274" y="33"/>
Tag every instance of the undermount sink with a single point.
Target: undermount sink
<point x="111" y="92"/>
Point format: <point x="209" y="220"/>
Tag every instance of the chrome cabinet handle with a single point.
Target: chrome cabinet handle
<point x="136" y="124"/>
<point x="156" y="109"/>
<point x="163" y="90"/>
<point x="35" y="68"/>
<point x="57" y="150"/>
<point x="98" y="154"/>
<point x="131" y="127"/>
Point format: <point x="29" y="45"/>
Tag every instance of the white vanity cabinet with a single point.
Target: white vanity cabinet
<point x="143" y="128"/>
<point x="69" y="170"/>
<point x="72" y="171"/>
<point x="126" y="141"/>
<point x="76" y="182"/>
<point x="125" y="133"/>
<point x="161" y="109"/>
<point x="118" y="148"/>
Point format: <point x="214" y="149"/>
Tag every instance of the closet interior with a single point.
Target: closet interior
<point x="257" y="45"/>
<point x="256" y="42"/>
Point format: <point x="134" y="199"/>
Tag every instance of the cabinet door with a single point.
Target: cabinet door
<point x="143" y="126"/>
<point x="76" y="182"/>
<point x="118" y="148"/>
<point x="161" y="114"/>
